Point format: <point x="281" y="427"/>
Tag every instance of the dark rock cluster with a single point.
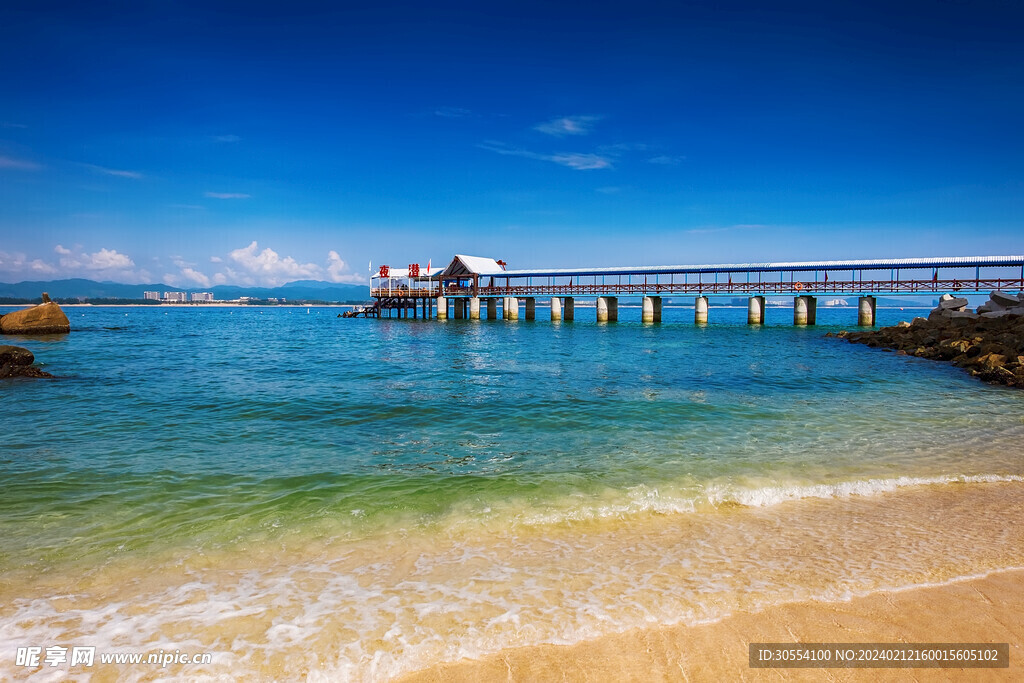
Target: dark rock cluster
<point x="990" y="344"/>
<point x="16" y="361"/>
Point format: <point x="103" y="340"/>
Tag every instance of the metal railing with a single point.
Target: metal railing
<point x="888" y="286"/>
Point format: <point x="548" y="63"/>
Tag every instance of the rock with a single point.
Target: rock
<point x="945" y="297"/>
<point x="953" y="304"/>
<point x="1005" y="300"/>
<point x="46" y="318"/>
<point x="16" y="355"/>
<point x="17" y="362"/>
<point x="918" y="321"/>
<point x="903" y="323"/>
<point x="989" y="347"/>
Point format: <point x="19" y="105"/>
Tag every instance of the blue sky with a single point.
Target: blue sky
<point x="203" y="143"/>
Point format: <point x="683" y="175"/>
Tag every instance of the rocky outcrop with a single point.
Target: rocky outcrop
<point x="17" y="362"/>
<point x="46" y="318"/>
<point x="989" y="344"/>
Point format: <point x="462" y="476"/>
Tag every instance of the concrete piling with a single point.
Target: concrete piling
<point x="556" y="308"/>
<point x="513" y="308"/>
<point x="474" y="308"/>
<point x="866" y="311"/>
<point x="647" y="310"/>
<point x="569" y="308"/>
<point x="442" y="308"/>
<point x="755" y="310"/>
<point x="700" y="310"/>
<point x="804" y="310"/>
<point x="492" y="308"/>
<point x="531" y="308"/>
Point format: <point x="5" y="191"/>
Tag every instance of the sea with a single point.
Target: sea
<point x="278" y="493"/>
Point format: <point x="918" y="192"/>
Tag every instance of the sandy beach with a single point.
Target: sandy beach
<point x="984" y="609"/>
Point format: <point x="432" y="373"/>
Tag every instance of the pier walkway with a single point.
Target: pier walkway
<point x="470" y="284"/>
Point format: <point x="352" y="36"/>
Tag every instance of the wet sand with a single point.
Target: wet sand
<point x="985" y="609"/>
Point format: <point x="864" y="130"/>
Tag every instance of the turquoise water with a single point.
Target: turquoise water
<point x="179" y="433"/>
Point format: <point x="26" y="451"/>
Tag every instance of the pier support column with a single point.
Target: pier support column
<point x="755" y="310"/>
<point x="474" y="308"/>
<point x="657" y="308"/>
<point x="647" y="310"/>
<point x="700" y="310"/>
<point x="866" y="311"/>
<point x="613" y="309"/>
<point x="492" y="309"/>
<point x="531" y="308"/>
<point x="569" y="308"/>
<point x="504" y="308"/>
<point x="556" y="308"/>
<point x="460" y="309"/>
<point x="804" y="310"/>
<point x="513" y="308"/>
<point x="602" y="309"/>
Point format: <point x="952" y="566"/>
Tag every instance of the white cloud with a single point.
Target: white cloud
<point x="728" y="228"/>
<point x="195" y="276"/>
<point x="567" y="125"/>
<point x="102" y="260"/>
<point x="337" y="270"/>
<point x="18" y="164"/>
<point x="452" y="112"/>
<point x="216" y="259"/>
<point x="135" y="175"/>
<point x="269" y="267"/>
<point x="18" y="263"/>
<point x="581" y="162"/>
<point x="106" y="263"/>
<point x="226" y="195"/>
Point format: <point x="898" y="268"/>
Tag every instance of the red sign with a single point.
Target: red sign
<point x="414" y="270"/>
<point x="385" y="271"/>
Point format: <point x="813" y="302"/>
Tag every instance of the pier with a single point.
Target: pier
<point x="470" y="287"/>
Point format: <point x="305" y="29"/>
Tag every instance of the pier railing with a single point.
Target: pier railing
<point x="795" y="288"/>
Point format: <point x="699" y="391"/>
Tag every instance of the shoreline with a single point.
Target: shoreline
<point x="988" y="609"/>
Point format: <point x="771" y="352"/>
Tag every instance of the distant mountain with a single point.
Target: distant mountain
<point x="90" y="289"/>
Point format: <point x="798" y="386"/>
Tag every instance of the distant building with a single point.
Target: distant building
<point x="151" y="296"/>
<point x="175" y="296"/>
<point x="202" y="296"/>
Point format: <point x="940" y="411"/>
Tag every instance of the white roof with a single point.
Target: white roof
<point x="473" y="265"/>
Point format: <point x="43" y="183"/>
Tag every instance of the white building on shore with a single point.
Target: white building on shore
<point x="151" y="296"/>
<point x="202" y="296"/>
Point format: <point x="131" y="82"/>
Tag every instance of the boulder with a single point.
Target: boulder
<point x="953" y="304"/>
<point x="46" y="318"/>
<point x="16" y="355"/>
<point x="17" y="362"/>
<point x="1005" y="300"/>
<point x="963" y="314"/>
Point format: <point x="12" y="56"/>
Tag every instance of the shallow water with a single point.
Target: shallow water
<point x="304" y="495"/>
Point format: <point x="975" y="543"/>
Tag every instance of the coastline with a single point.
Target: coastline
<point x="987" y="609"/>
